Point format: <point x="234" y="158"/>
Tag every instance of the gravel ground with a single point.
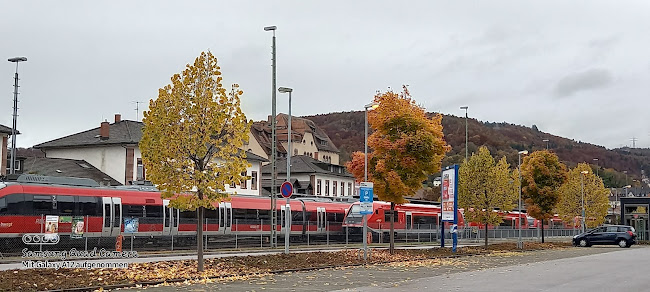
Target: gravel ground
<point x="347" y="279"/>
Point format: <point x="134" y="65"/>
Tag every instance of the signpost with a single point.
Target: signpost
<point x="365" y="202"/>
<point x="287" y="190"/>
<point x="449" y="198"/>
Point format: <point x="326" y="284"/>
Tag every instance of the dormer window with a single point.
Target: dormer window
<point x="324" y="143"/>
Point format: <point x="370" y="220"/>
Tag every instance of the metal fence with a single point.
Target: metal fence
<point x="240" y="234"/>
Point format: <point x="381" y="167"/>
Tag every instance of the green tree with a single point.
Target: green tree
<point x="596" y="199"/>
<point x="407" y="147"/>
<point x="191" y="139"/>
<point x="542" y="174"/>
<point x="484" y="186"/>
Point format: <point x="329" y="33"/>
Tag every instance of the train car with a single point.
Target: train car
<point x="510" y="221"/>
<point x="421" y="217"/>
<point x="25" y="205"/>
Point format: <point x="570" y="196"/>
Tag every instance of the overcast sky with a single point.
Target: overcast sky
<point x="577" y="69"/>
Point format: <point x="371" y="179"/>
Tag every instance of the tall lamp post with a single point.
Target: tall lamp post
<point x="370" y="106"/>
<point x="546" y="140"/>
<point x="13" y="128"/>
<point x="466" y="133"/>
<point x="287" y="210"/>
<point x="274" y="174"/>
<point x="520" y="243"/>
<point x="582" y="183"/>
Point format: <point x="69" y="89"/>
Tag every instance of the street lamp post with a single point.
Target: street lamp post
<point x="370" y="106"/>
<point x="582" y="183"/>
<point x="15" y="116"/>
<point x="466" y="133"/>
<point x="597" y="166"/>
<point x="520" y="243"/>
<point x="546" y="140"/>
<point x="274" y="174"/>
<point x="287" y="210"/>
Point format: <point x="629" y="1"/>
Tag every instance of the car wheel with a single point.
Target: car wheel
<point x="583" y="242"/>
<point x="622" y="243"/>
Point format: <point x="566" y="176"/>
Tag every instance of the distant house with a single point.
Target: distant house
<point x="307" y="139"/>
<point x="5" y="163"/>
<point x="113" y="149"/>
<point x="312" y="177"/>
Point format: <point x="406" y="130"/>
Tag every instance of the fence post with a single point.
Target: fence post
<point x="42" y="231"/>
<point x="205" y="231"/>
<point x="327" y="231"/>
<point x="418" y="232"/>
<point x="236" y="235"/>
<point x="86" y="233"/>
<point x="172" y="241"/>
<point x="132" y="242"/>
<point x="346" y="235"/>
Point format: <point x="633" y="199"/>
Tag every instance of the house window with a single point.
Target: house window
<point x="343" y="189"/>
<point x="243" y="182"/>
<point x="349" y="189"/>
<point x="318" y="192"/>
<point x="334" y="188"/>
<point x="140" y="170"/>
<point x="253" y="180"/>
<point x="324" y="143"/>
<point x="327" y="187"/>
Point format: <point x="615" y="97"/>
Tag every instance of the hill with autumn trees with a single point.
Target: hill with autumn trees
<point x="346" y="130"/>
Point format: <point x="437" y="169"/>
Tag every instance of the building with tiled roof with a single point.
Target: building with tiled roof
<point x="307" y="139"/>
<point x="312" y="177"/>
<point x="61" y="167"/>
<point x="113" y="149"/>
<point x="5" y="132"/>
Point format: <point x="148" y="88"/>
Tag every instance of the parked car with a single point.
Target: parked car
<point x="621" y="235"/>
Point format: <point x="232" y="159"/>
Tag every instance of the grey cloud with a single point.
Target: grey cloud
<point x="586" y="80"/>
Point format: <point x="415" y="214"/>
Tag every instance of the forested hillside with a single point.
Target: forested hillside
<point x="346" y="129"/>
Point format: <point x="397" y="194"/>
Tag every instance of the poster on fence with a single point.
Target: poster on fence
<point x="131" y="225"/>
<point x="77" y="227"/>
<point x="51" y="224"/>
<point x="449" y="194"/>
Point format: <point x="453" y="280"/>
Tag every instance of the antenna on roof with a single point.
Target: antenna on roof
<point x="137" y="110"/>
<point x="633" y="139"/>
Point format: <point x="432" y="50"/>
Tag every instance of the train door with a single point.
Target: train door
<point x="112" y="217"/>
<point x="409" y="220"/>
<point x="285" y="217"/>
<point x="225" y="217"/>
<point x="321" y="215"/>
<point x="170" y="219"/>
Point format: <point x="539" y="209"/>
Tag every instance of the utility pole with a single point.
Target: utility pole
<point x="633" y="139"/>
<point x="15" y="116"/>
<point x="137" y="110"/>
<point x="274" y="173"/>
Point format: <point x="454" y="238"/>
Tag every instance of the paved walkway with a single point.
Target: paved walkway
<point x="401" y="276"/>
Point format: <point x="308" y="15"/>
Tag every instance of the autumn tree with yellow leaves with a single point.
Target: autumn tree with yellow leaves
<point x="406" y="147"/>
<point x="596" y="199"/>
<point x="542" y="175"/>
<point x="485" y="186"/>
<point x="191" y="139"/>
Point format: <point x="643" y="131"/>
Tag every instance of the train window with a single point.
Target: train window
<point x="87" y="206"/>
<point x="296" y="217"/>
<point x="167" y="214"/>
<point x="107" y="215"/>
<point x="334" y="217"/>
<point x="41" y="205"/>
<point x="188" y="217"/>
<point x="135" y="211"/>
<point x="118" y="218"/>
<point x="210" y="214"/>
<point x="387" y="216"/>
<point x="3" y="205"/>
<point x="65" y="205"/>
<point x="355" y="211"/>
<point x="425" y="220"/>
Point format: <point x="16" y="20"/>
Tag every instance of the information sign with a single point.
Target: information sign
<point x="449" y="194"/>
<point x="366" y="198"/>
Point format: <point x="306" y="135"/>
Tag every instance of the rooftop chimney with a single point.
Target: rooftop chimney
<point x="118" y="118"/>
<point x="103" y="130"/>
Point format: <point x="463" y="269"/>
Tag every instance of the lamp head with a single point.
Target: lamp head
<point x="285" y="89"/>
<point x="523" y="152"/>
<point x="17" y="59"/>
<point x="267" y="28"/>
<point x="464" y="107"/>
<point x="595" y="159"/>
<point x="373" y="105"/>
<point x="584" y="172"/>
<point x="545" y="140"/>
<point x="627" y="186"/>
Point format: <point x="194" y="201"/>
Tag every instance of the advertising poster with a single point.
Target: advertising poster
<point x="51" y="224"/>
<point x="77" y="227"/>
<point x="131" y="225"/>
<point x="448" y="194"/>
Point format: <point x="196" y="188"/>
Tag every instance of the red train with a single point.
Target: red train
<point x="24" y="205"/>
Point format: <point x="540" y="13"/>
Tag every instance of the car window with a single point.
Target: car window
<point x="599" y="229"/>
<point x="612" y="229"/>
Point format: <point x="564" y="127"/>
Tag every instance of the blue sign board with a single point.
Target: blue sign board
<point x="286" y="189"/>
<point x="365" y="198"/>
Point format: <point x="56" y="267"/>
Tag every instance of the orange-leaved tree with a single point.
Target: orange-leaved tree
<point x="542" y="175"/>
<point x="191" y="139"/>
<point x="406" y="147"/>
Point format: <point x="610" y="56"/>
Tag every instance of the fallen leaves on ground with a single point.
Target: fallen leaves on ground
<point x="239" y="268"/>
